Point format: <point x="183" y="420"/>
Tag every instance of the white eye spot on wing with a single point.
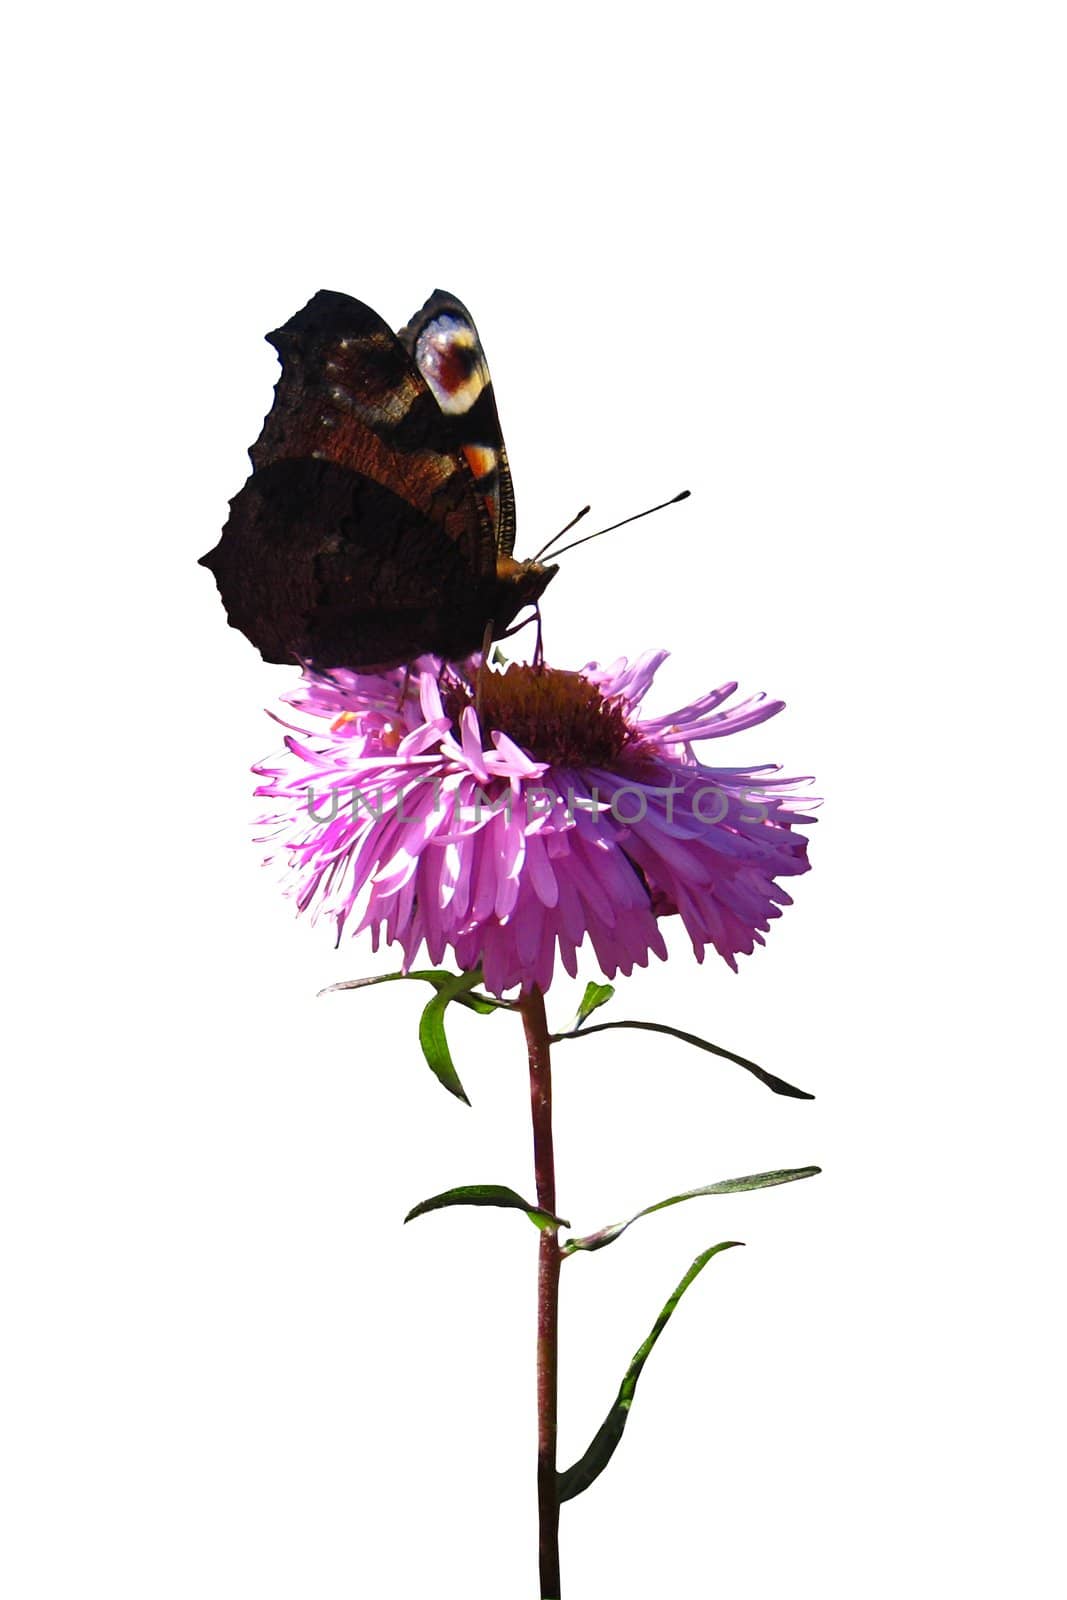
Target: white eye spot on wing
<point x="449" y="356"/>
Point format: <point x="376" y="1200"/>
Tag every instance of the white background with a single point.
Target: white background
<point x="809" y="262"/>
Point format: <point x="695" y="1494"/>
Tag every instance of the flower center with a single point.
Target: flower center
<point x="558" y="717"/>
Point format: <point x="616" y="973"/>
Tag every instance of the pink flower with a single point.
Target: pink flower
<point x="551" y="813"/>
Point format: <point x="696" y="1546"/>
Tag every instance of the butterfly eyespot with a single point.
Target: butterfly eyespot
<point x="450" y="359"/>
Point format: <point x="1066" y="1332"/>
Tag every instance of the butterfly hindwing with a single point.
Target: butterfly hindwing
<point x="322" y="564"/>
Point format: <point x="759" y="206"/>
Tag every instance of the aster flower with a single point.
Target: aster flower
<point x="508" y="815"/>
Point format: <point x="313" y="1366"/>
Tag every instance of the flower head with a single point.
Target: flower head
<point x="508" y="815"/>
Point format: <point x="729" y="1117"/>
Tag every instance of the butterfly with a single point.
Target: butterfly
<point x="379" y="520"/>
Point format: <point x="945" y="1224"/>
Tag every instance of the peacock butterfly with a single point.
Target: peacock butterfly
<point x="379" y="519"/>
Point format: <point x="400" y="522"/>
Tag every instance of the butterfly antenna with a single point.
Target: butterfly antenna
<point x="635" y="518"/>
<point x="584" y="512"/>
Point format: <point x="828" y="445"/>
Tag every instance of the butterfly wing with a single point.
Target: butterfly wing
<point x="445" y="347"/>
<point x="350" y="393"/>
<point x="360" y="539"/>
<point x="321" y="564"/>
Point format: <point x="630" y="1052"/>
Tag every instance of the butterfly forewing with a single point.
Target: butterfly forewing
<point x="445" y="346"/>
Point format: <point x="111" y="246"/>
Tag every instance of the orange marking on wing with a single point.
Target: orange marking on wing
<point x="481" y="459"/>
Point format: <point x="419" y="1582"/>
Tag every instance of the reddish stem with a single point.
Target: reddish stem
<point x="548" y="1265"/>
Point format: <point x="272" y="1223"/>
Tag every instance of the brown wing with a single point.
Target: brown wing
<point x="321" y="564"/>
<point x="445" y="346"/>
<point x="360" y="539"/>
<point x="350" y="393"/>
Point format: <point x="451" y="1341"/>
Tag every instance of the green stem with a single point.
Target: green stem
<point x="548" y="1265"/>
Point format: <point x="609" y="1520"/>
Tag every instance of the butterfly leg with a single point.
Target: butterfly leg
<point x="535" y="616"/>
<point x="483" y="667"/>
<point x="404" y="687"/>
<point x="539" y="647"/>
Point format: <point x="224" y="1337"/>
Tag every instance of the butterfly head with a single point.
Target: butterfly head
<point x="519" y="584"/>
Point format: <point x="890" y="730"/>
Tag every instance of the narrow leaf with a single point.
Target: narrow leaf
<point x="487" y="1194"/>
<point x="779" y="1085"/>
<point x="432" y="1033"/>
<point x="759" y="1180"/>
<point x="606" y="1439"/>
<point x="438" y="976"/>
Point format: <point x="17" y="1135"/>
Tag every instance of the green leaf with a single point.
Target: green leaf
<point x="605" y="1441"/>
<point x="759" y="1180"/>
<point x="487" y="1194"/>
<point x="432" y="1033"/>
<point x="779" y="1085"/>
<point x="438" y="976"/>
<point x="596" y="995"/>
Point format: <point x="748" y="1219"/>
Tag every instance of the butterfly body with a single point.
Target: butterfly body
<point x="378" y="522"/>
